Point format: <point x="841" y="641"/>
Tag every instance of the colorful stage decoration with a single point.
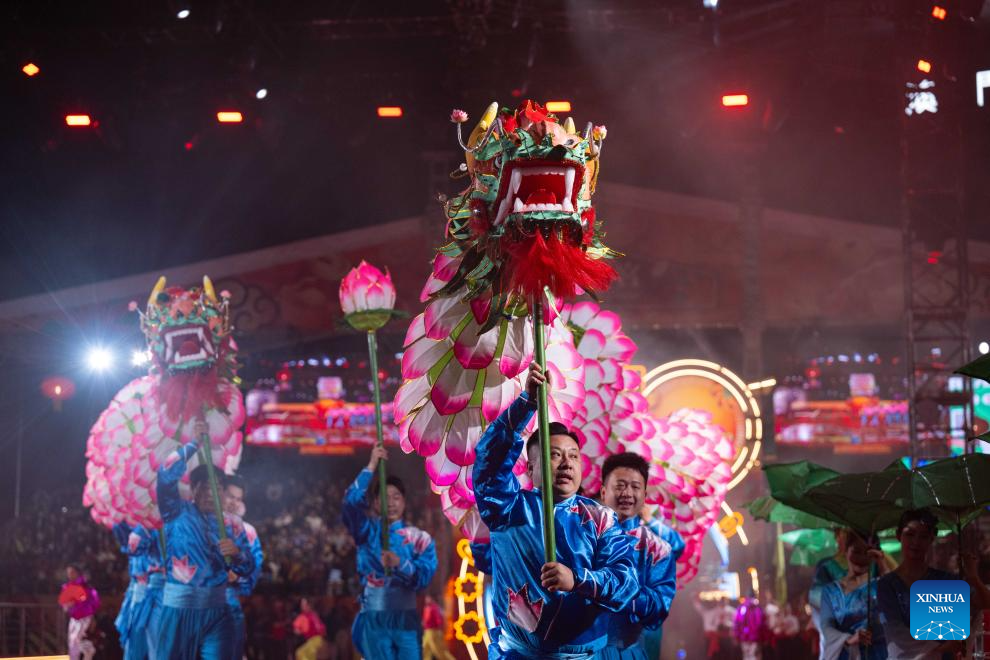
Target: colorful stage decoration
<point x="192" y="377"/>
<point x="367" y="297"/>
<point x="531" y="181"/>
<point x="336" y="426"/>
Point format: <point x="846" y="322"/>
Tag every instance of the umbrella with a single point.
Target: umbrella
<point x="768" y="509"/>
<point x="789" y="483"/>
<point x="955" y="489"/>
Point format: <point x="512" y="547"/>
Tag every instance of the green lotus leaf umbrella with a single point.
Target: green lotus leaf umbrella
<point x="768" y="509"/>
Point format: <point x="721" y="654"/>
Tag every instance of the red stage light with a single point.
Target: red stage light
<point x="934" y="256"/>
<point x="924" y="66"/>
<point x="735" y="100"/>
<point x="938" y="12"/>
<point x="30" y="69"/>
<point x="78" y="120"/>
<point x="390" y="111"/>
<point x="230" y="117"/>
<point x="558" y="106"/>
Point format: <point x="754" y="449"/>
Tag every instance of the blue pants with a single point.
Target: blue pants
<point x="137" y="622"/>
<point x="384" y="642"/>
<point x="189" y="634"/>
<point x="240" y="631"/>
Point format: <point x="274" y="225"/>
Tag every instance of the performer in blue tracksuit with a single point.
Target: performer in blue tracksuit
<point x="557" y="609"/>
<point x="237" y="586"/>
<point x="195" y="619"/>
<point x="136" y="622"/>
<point x="624" y="479"/>
<point x="388" y="625"/>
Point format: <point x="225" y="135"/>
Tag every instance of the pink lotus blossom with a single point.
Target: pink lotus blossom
<point x="183" y="570"/>
<point x="458" y="116"/>
<point x="367" y="289"/>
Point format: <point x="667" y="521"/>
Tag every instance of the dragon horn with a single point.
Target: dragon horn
<point x="569" y="125"/>
<point x="208" y="289"/>
<point x="159" y="287"/>
<point x="481" y="132"/>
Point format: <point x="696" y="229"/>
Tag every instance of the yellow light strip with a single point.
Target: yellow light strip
<point x="703" y="374"/>
<point x="757" y="445"/>
<point x="763" y="384"/>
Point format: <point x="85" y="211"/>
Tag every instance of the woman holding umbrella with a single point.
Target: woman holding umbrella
<point x="916" y="532"/>
<point x="846" y="631"/>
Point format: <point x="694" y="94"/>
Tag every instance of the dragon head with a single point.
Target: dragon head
<point x="525" y="223"/>
<point x="527" y="169"/>
<point x="186" y="329"/>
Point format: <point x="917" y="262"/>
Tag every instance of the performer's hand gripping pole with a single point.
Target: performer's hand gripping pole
<point x="382" y="489"/>
<point x="543" y="426"/>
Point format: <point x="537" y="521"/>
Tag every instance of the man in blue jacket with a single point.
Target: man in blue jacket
<point x="195" y="619"/>
<point x="557" y="609"/>
<point x="388" y="625"/>
<point x="624" y="479"/>
<point x="136" y="622"/>
<point x="238" y="586"/>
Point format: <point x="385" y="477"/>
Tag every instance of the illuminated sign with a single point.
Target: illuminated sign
<point x="707" y="386"/>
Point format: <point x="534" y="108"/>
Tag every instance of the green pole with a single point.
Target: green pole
<point x="382" y="494"/>
<point x="543" y="425"/>
<point x="207" y="456"/>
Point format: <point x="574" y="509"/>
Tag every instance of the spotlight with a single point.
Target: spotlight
<point x="261" y="93"/>
<point x="558" y="106"/>
<point x="139" y="358"/>
<point x="182" y="13"/>
<point x="984" y="348"/>
<point x="924" y="66"/>
<point x="390" y="111"/>
<point x="735" y="100"/>
<point x="938" y="12"/>
<point x="229" y="117"/>
<point x="78" y="120"/>
<point x="30" y="69"/>
<point x="99" y="359"/>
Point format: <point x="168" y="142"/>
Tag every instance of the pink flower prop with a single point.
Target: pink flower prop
<point x="131" y="440"/>
<point x="522" y="611"/>
<point x="367" y="289"/>
<point x="458" y="116"/>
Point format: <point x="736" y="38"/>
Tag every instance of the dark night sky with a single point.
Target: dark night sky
<point x="85" y="205"/>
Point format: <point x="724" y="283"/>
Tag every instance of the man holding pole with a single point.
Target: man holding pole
<point x="195" y="619"/>
<point x="388" y="625"/>
<point x="558" y="608"/>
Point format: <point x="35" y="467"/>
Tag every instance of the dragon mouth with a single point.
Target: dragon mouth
<point x="529" y="186"/>
<point x="187" y="343"/>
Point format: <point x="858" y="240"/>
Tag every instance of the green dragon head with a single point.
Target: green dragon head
<point x="527" y="167"/>
<point x="529" y="199"/>
<point x="187" y="329"/>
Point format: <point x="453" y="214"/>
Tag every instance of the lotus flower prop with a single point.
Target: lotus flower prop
<point x="367" y="297"/>
<point x="192" y="377"/>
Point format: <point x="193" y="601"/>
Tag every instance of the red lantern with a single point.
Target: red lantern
<point x="58" y="389"/>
